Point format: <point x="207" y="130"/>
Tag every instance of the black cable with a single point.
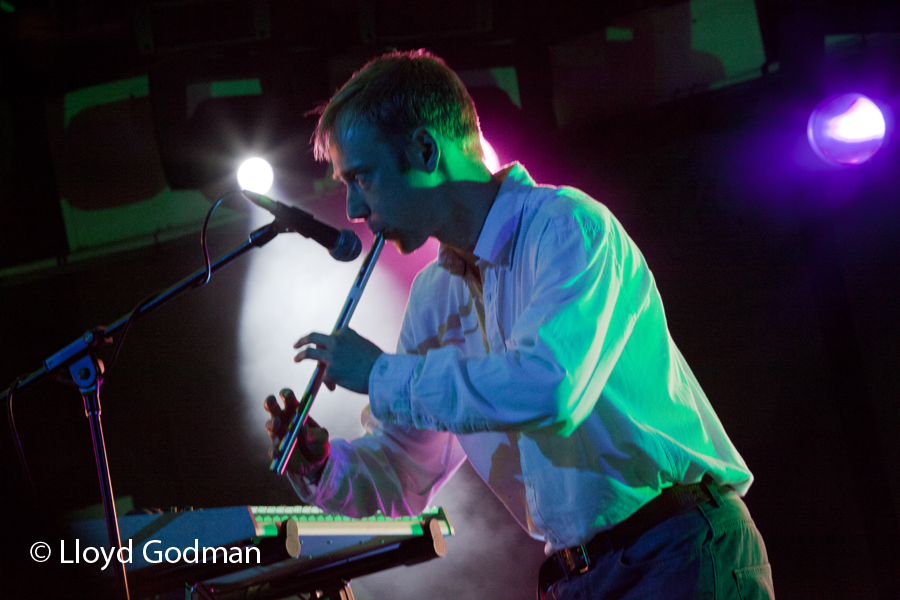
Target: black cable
<point x="137" y="309"/>
<point x="203" y="244"/>
<point x="15" y="433"/>
<point x="131" y="316"/>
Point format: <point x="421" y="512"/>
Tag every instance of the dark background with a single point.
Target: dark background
<point x="780" y="275"/>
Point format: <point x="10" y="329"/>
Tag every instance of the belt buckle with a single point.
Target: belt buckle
<point x="575" y="560"/>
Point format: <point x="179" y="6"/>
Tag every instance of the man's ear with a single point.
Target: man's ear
<point x="423" y="151"/>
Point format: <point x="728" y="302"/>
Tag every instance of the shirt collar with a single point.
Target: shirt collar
<point x="498" y="235"/>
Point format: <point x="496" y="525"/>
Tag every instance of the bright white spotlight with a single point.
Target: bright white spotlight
<point x="256" y="175"/>
<point x="862" y="122"/>
<point x="846" y="130"/>
<point x="491" y="161"/>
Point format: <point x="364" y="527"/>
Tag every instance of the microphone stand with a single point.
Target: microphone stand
<point x="80" y="360"/>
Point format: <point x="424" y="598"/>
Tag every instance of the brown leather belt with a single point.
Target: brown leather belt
<point x="672" y="501"/>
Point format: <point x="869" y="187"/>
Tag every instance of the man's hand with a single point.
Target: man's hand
<point x="312" y="449"/>
<point x="348" y="358"/>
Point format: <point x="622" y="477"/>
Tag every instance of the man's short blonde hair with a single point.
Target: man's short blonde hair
<point x="397" y="93"/>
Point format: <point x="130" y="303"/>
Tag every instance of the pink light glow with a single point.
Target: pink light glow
<point x="491" y="161"/>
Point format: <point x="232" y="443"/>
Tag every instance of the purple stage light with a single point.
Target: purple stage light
<point x="846" y="130"/>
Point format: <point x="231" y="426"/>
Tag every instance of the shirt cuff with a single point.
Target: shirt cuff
<point x="306" y="489"/>
<point x="389" y="384"/>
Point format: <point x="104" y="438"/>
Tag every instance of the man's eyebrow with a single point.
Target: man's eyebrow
<point x="349" y="174"/>
<point x="342" y="175"/>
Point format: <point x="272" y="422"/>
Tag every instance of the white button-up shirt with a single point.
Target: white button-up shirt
<point x="552" y="370"/>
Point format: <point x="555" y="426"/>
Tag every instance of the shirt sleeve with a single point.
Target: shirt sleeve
<point x="582" y="285"/>
<point x="392" y="469"/>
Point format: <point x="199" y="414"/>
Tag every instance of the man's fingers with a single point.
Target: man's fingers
<point x="316" y="339"/>
<point x="280" y="417"/>
<point x="271" y="406"/>
<point x="314" y="353"/>
<point x="316" y="346"/>
<point x="273" y="426"/>
<point x="290" y="400"/>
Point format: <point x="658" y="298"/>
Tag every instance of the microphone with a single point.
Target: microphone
<point x="343" y="245"/>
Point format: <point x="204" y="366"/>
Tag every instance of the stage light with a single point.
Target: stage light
<point x="491" y="161"/>
<point x="846" y="130"/>
<point x="256" y="175"/>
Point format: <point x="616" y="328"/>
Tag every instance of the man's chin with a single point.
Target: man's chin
<point x="405" y="246"/>
<point x="402" y="248"/>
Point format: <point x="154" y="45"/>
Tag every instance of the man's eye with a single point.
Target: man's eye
<point x="362" y="179"/>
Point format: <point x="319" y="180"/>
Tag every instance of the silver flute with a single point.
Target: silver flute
<point x="286" y="448"/>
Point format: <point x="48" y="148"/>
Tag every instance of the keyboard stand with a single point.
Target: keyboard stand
<point x="344" y="593"/>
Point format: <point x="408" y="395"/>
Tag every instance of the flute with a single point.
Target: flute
<point x="279" y="463"/>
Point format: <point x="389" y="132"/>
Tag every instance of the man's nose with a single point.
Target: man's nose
<point x="356" y="206"/>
